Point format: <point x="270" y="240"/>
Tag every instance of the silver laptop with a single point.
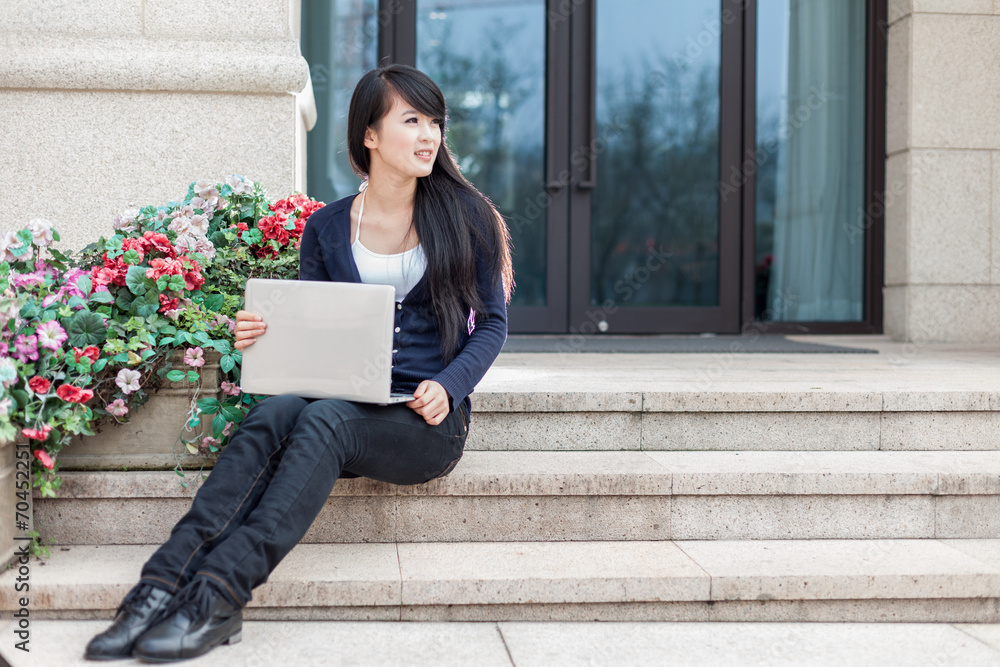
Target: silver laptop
<point x="323" y="340"/>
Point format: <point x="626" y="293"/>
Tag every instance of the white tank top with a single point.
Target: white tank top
<point x="402" y="270"/>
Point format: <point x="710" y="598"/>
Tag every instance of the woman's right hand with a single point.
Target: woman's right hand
<point x="248" y="327"/>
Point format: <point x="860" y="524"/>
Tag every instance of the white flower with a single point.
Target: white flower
<point x="41" y="232"/>
<point x="9" y="241"/>
<point x="8" y="372"/>
<point x="195" y="243"/>
<point x="239" y="186"/>
<point x="5" y="406"/>
<point x="199" y="224"/>
<point x="128" y="380"/>
<point x="205" y="188"/>
<point x="125" y="221"/>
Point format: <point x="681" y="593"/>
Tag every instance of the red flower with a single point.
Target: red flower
<point x="92" y="352"/>
<point x="39" y="385"/>
<point x="35" y="433"/>
<point x="161" y="243"/>
<point x="167" y="303"/>
<point x="45" y="459"/>
<point x="71" y="394"/>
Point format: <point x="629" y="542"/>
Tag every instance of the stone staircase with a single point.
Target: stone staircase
<point x="830" y="488"/>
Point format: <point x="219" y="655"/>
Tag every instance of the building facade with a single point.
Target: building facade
<point x="666" y="167"/>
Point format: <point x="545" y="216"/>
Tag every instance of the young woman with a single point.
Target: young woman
<point x="418" y="225"/>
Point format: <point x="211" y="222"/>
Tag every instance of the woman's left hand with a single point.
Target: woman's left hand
<point x="430" y="401"/>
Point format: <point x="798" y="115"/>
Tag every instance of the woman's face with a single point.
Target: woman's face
<point x="407" y="142"/>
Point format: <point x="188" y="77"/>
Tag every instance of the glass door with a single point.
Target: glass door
<point x="654" y="230"/>
<point x="490" y="60"/>
<point x="607" y="133"/>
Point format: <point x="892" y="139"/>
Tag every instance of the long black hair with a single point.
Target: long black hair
<point x="452" y="218"/>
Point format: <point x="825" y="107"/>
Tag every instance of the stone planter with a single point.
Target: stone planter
<point x="150" y="439"/>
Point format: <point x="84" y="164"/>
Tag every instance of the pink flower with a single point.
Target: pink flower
<point x="37" y="433"/>
<point x="228" y="428"/>
<point x="195" y="357"/>
<point x="128" y="380"/>
<point x="230" y="388"/>
<point x="44" y="458"/>
<point x="207" y="441"/>
<point x="26" y="348"/>
<point x="51" y="335"/>
<point x="116" y="408"/>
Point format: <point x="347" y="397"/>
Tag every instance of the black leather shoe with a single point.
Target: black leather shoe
<point x="197" y="620"/>
<point x="139" y="611"/>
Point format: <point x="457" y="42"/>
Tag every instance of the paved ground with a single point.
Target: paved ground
<point x="949" y="367"/>
<point x="307" y="643"/>
<point x="907" y="367"/>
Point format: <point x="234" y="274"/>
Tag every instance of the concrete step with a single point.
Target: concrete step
<point x="551" y="496"/>
<point x="783" y="580"/>
<point x="540" y="644"/>
<point x="787" y="416"/>
<point x="721" y="417"/>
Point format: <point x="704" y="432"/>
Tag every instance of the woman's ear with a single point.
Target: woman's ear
<point x="371" y="138"/>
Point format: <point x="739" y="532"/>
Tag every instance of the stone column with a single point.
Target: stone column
<point x="107" y="102"/>
<point x="942" y="257"/>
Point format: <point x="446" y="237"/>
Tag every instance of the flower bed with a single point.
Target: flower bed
<point x="87" y="338"/>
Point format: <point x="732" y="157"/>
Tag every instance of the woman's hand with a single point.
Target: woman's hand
<point x="430" y="401"/>
<point x="248" y="327"/>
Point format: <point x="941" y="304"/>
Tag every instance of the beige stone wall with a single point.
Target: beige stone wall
<point x="111" y="102"/>
<point x="942" y="262"/>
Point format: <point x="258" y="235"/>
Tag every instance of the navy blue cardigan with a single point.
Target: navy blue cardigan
<point x="325" y="254"/>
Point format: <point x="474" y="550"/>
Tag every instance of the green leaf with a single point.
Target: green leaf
<point x="85" y="284"/>
<point x="214" y="301"/>
<point x="99" y="364"/>
<point x="147" y="353"/>
<point x="192" y="376"/>
<point x="168" y="329"/>
<point x="136" y="280"/>
<point x="146" y="309"/>
<point x="167" y="340"/>
<point x="218" y="424"/>
<point x="102" y="297"/>
<point x="209" y="406"/>
<point x="252" y="236"/>
<point x="76" y="301"/>
<point x="124" y="301"/>
<point x="231" y="413"/>
<point x="25" y="236"/>
<point x="121" y="358"/>
<point x="176" y="376"/>
<point x="226" y="363"/>
<point x="131" y="257"/>
<point x="201" y="337"/>
<point x="85" y="328"/>
<point x="21" y="397"/>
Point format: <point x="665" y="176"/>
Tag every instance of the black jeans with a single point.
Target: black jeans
<point x="276" y="473"/>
